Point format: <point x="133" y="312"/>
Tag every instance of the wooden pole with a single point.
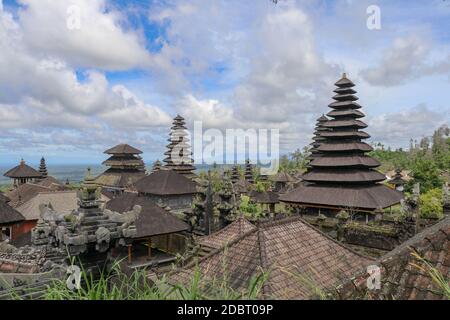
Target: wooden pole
<point x="129" y="254"/>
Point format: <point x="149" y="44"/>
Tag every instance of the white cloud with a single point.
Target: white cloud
<point x="133" y="113"/>
<point x="213" y="113"/>
<point x="42" y="93"/>
<point x="100" y="42"/>
<point x="406" y="59"/>
<point x="397" y="128"/>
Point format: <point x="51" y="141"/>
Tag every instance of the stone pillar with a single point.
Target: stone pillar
<point x="343" y="217"/>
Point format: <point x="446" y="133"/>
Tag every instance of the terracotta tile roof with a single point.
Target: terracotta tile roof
<point x="52" y="183"/>
<point x="166" y="182"/>
<point x="153" y="220"/>
<point x="24" y="193"/>
<point x="403" y="275"/>
<point x="299" y="260"/>
<point x="4" y="198"/>
<point x="61" y="201"/>
<point x="8" y="214"/>
<point x="228" y="234"/>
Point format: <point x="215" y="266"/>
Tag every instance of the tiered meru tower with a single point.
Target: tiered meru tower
<point x="125" y="167"/>
<point x="318" y="139"/>
<point x="43" y="169"/>
<point x="344" y="176"/>
<point x="178" y="154"/>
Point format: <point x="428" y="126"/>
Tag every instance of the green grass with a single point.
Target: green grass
<point x="441" y="282"/>
<point x="116" y="285"/>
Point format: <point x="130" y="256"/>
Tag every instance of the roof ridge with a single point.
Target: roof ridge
<point x="266" y="289"/>
<point x="57" y="192"/>
<point x="218" y="250"/>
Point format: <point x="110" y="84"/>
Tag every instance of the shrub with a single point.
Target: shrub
<point x="431" y="204"/>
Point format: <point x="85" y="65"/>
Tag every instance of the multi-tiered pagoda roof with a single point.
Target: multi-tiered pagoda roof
<point x="178" y="154"/>
<point x="125" y="167"/>
<point x="317" y="139"/>
<point x="344" y="175"/>
<point x="43" y="168"/>
<point x="249" y="171"/>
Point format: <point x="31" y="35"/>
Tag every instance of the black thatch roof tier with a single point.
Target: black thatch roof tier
<point x="363" y="197"/>
<point x="344" y="134"/>
<point x="9" y="215"/>
<point x="346" y="161"/>
<point x="339" y="162"/>
<point x="344" y="176"/>
<point x="125" y="167"/>
<point x="345" y="97"/>
<point x="22" y="171"/>
<point x="267" y="197"/>
<point x="152" y="221"/>
<point x="345" y="90"/>
<point x="344" y="113"/>
<point x="338" y="105"/>
<point x="345" y="124"/>
<point x="344" y="146"/>
<point x="318" y="139"/>
<point x="282" y="177"/>
<point x="123" y="161"/>
<point x="119" y="178"/>
<point x="344" y="82"/>
<point x="166" y="182"/>
<point x="123" y="149"/>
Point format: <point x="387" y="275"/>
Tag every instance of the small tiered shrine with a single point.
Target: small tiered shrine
<point x="397" y="181"/>
<point x="125" y="168"/>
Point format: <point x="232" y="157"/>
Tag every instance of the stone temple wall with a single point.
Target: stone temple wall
<point x="181" y="202"/>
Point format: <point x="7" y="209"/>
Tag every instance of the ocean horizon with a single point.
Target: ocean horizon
<point x="75" y="173"/>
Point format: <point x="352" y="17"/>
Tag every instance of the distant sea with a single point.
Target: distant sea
<point x="74" y="172"/>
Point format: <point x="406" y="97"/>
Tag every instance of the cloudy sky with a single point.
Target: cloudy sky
<point x="70" y="88"/>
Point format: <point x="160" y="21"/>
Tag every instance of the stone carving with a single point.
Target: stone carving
<point x="88" y="227"/>
<point x="7" y="248"/>
<point x="103" y="236"/>
<point x="127" y="218"/>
